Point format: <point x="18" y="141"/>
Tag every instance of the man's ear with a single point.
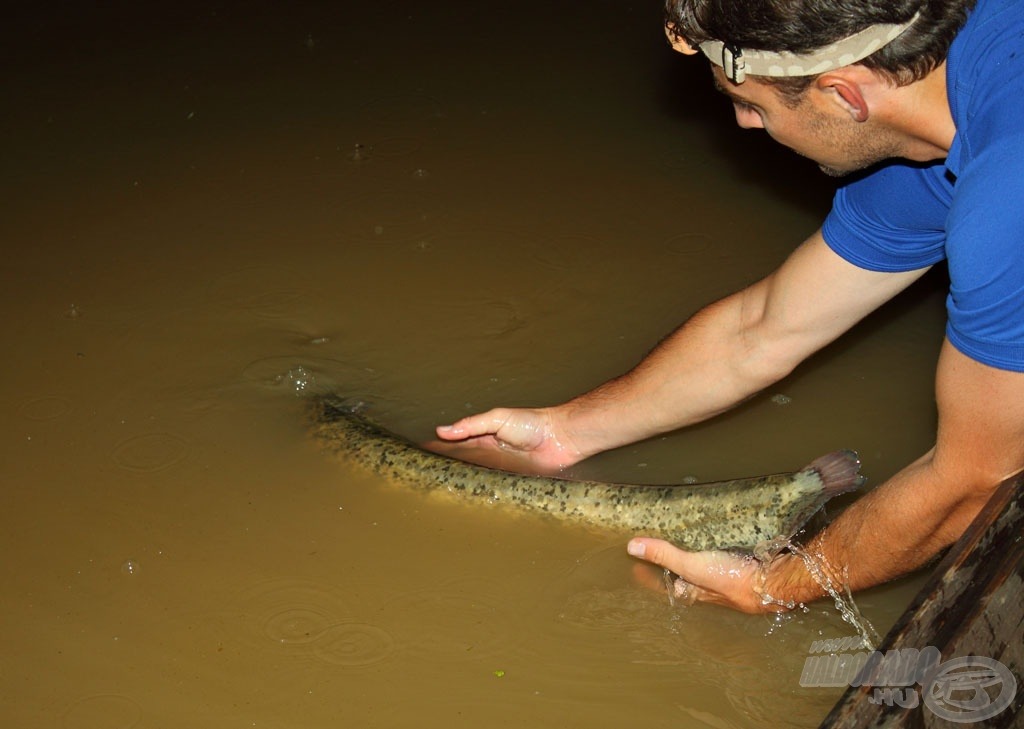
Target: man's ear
<point x="678" y="44"/>
<point x="847" y="93"/>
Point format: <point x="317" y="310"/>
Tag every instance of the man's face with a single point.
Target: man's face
<point x="817" y="128"/>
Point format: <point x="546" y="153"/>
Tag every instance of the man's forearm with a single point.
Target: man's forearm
<point x="906" y="521"/>
<point x="731" y="349"/>
<point x="702" y="369"/>
<point x="890" y="531"/>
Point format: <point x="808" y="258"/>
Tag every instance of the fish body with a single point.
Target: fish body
<point x="742" y="514"/>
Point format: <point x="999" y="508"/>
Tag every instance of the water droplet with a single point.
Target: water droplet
<point x="360" y="152"/>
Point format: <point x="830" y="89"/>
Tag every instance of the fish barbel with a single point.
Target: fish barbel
<point x="742" y="514"/>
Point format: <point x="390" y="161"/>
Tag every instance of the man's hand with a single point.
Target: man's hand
<point x="534" y="437"/>
<point x="720" y="578"/>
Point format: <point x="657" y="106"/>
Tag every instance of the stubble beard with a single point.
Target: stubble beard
<point x="860" y="146"/>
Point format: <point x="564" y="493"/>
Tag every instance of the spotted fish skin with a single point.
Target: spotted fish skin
<point x="740" y="514"/>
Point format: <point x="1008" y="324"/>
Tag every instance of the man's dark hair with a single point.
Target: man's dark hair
<point x="801" y="26"/>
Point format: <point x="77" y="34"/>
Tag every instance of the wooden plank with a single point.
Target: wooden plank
<point x="972" y="607"/>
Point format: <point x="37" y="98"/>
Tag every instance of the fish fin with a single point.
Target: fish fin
<point x="839" y="472"/>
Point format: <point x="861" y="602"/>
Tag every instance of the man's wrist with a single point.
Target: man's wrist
<point x="784" y="584"/>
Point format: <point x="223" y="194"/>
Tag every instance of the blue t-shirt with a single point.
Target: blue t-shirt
<point x="969" y="209"/>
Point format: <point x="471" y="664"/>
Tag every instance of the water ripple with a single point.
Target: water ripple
<point x="103" y="711"/>
<point x="49" y="407"/>
<point x="307" y="621"/>
<point x="150" y="452"/>
<point x="287" y="613"/>
<point x="354" y="644"/>
<point x="297" y="625"/>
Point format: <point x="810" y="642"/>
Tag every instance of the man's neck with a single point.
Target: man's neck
<point x="920" y="113"/>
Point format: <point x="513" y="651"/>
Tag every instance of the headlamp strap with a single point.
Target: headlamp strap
<point x="737" y="63"/>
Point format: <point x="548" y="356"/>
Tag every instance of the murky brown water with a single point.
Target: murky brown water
<point x="434" y="207"/>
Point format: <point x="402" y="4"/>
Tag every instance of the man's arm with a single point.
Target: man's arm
<point x="724" y="354"/>
<point x="903" y="523"/>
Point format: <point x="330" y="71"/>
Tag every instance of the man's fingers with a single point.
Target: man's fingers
<point x="680" y="591"/>
<point x="660" y="552"/>
<point x="699" y="567"/>
<point x="717" y="577"/>
<point x="473" y="426"/>
<point x="692" y="567"/>
<point x="520" y="429"/>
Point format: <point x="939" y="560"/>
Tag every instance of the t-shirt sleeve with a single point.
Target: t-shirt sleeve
<point x="903" y="217"/>
<point x="985" y="248"/>
<point x="891" y="220"/>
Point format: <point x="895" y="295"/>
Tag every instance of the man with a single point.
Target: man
<point x="937" y="86"/>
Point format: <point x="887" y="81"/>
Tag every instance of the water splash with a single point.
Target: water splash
<point x="837" y="585"/>
<point x="298" y="379"/>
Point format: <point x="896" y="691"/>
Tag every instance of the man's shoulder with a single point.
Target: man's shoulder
<point x="988" y="44"/>
<point x="985" y="80"/>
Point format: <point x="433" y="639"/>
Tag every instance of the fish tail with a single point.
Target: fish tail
<point x="839" y="472"/>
